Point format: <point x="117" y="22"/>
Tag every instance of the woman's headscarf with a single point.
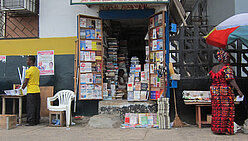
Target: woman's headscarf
<point x="222" y="56"/>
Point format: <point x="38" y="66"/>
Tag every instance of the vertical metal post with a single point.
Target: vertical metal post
<point x="167" y="47"/>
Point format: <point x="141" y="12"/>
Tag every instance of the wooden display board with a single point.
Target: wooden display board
<point x="90" y="58"/>
<point x="157" y="55"/>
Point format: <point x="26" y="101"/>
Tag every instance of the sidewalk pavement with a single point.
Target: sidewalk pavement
<point x="79" y="133"/>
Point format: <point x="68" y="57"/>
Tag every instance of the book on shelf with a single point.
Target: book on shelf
<point x="98" y="24"/>
<point x="154" y="45"/>
<point x="130" y="96"/>
<point x="160" y="19"/>
<point x="98" y="46"/>
<point x="94" y="47"/>
<point x="156" y="20"/>
<point x="137" y="86"/>
<point x="136" y="95"/>
<point x="83" y="78"/>
<point x="152" y="68"/>
<point x="98" y="34"/>
<point x="89" y="78"/>
<point x="88" y="34"/>
<point x="130" y="87"/>
<point x="154" y="33"/>
<point x="159" y="32"/>
<point x="160" y="44"/>
<point x="143" y="95"/>
<point x="92" y="34"/>
<point x="85" y="67"/>
<point x="144" y="86"/>
<point x="143" y="119"/>
<point x="97" y="78"/>
<point x="83" y="22"/>
<point x="83" y="91"/>
<point x="82" y="33"/>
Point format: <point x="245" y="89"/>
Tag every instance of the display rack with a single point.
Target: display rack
<point x="157" y="55"/>
<point x="90" y="57"/>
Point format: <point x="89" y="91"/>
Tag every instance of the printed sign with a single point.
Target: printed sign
<point x="2" y="58"/>
<point x="116" y="1"/>
<point x="45" y="62"/>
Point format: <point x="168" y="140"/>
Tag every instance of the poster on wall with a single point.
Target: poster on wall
<point x="45" y="62"/>
<point x="3" y="58"/>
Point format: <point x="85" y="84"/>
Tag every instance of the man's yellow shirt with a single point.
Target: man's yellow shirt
<point x="33" y="74"/>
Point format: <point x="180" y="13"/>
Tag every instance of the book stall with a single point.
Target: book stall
<point x="117" y="65"/>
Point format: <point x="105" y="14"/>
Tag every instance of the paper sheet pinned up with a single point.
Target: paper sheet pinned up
<point x="238" y="98"/>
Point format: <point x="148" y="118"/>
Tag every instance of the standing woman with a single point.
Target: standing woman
<point x="222" y="96"/>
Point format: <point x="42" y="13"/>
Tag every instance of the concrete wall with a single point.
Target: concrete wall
<point x="219" y="10"/>
<point x="241" y="6"/>
<point x="59" y="19"/>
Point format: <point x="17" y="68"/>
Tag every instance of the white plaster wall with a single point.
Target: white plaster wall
<point x="241" y="6"/>
<point x="57" y="18"/>
<point x="219" y="10"/>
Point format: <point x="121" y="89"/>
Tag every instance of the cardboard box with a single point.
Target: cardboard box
<point x="7" y="121"/>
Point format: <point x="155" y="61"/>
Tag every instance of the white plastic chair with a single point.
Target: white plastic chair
<point x="65" y="98"/>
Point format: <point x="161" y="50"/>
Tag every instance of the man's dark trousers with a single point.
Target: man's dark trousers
<point x="33" y="108"/>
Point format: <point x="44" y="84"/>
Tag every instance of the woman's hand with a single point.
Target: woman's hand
<point x="240" y="93"/>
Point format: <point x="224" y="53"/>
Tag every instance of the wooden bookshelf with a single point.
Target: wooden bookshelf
<point x="90" y="37"/>
<point x="156" y="21"/>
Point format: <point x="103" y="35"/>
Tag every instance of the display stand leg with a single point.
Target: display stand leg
<point x="14" y="102"/>
<point x="20" y="110"/>
<point x="199" y="116"/>
<point x="3" y="106"/>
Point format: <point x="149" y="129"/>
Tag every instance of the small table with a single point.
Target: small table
<point x="198" y="106"/>
<point x="14" y="97"/>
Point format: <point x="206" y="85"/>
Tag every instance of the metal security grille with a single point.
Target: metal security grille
<point x="193" y="58"/>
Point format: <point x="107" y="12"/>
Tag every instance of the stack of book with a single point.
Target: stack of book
<point x="112" y="66"/>
<point x="137" y="86"/>
<point x="163" y="113"/>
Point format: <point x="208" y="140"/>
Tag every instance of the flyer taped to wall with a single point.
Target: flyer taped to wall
<point x="45" y="62"/>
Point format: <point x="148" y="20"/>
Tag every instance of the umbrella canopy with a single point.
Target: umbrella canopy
<point x="235" y="27"/>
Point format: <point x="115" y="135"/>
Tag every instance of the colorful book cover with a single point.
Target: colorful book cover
<point x="161" y="56"/>
<point x="83" y="22"/>
<point x="94" y="45"/>
<point x="98" y="67"/>
<point x="160" y="19"/>
<point x="92" y="34"/>
<point x="85" y="67"/>
<point x="136" y="95"/>
<point x="157" y="57"/>
<point x="82" y="56"/>
<point x="88" y="44"/>
<point x="154" y="45"/>
<point x="134" y="118"/>
<point x="88" y="34"/>
<point x="143" y="95"/>
<point x="87" y="55"/>
<point x="88" y="23"/>
<point x="98" y="57"/>
<point x="137" y="86"/>
<point x="98" y="34"/>
<point x="92" y="56"/>
<point x="160" y="44"/>
<point x="83" y="78"/>
<point x="130" y="96"/>
<point x="143" y="119"/>
<point x="89" y="78"/>
<point x="149" y="118"/>
<point x="98" y="46"/>
<point x="82" y="45"/>
<point x="154" y="34"/>
<point x="156" y="20"/>
<point x="159" y="32"/>
<point x="152" y="68"/>
<point x="83" y="92"/>
<point x="98" y="24"/>
<point x="82" y="33"/>
<point x="98" y="78"/>
<point x="130" y="87"/>
<point x="146" y="67"/>
<point x="144" y="86"/>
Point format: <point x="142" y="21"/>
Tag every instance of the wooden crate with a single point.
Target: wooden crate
<point x="7" y="121"/>
<point x="60" y="115"/>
